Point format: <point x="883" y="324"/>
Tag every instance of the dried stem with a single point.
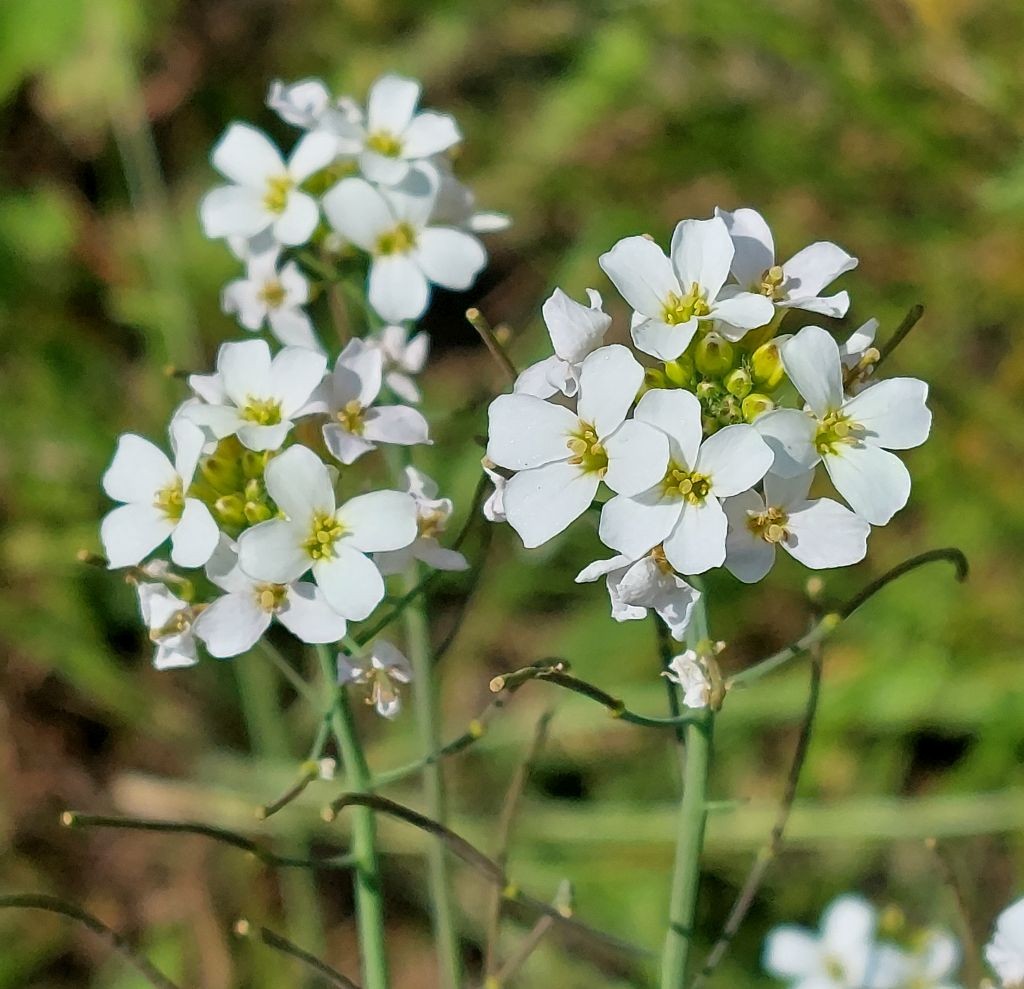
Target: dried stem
<point x="475" y="318"/>
<point x="278" y="942"/>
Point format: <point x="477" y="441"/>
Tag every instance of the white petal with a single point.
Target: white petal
<point x="448" y="257"/>
<point x="858" y="341"/>
<point x="294" y="373"/>
<point x="835" y="306"/>
<point x="873" y="481"/>
<point x="231" y="625"/>
<point x="403" y="386"/>
<point x="825" y="534"/>
<point x="139" y="470"/>
<point x="575" y="330"/>
<point x="398" y="288"/>
<point x="697" y="543"/>
<point x="748" y="557"/>
<point x="378" y="521"/>
<point x="131" y="532"/>
<point x="429" y="134"/>
<point x="357" y="211"/>
<point x="244" y="370"/>
<point x="294" y="328"/>
<point x="662" y="340"/>
<point x="309" y="617"/>
<point x="676" y="413"/>
<point x="382" y="169"/>
<point x="346" y="446"/>
<point x="609" y="380"/>
<point x="541" y="503"/>
<point x="187" y="442"/>
<point x="791" y="953"/>
<point x="642" y="273"/>
<point x="357" y="375"/>
<point x="391" y="104"/>
<point x="811" y="359"/>
<point x="223" y="570"/>
<point x="744" y="310"/>
<point x="233" y="211"/>
<point x="243" y="298"/>
<point x="196" y="535"/>
<point x="848" y="923"/>
<point x="396" y="424"/>
<point x="633" y="526"/>
<point x="273" y="551"/>
<point x="434" y="555"/>
<point x="352" y="586"/>
<point x="816" y="266"/>
<point x="299" y="219"/>
<point x="790" y="435"/>
<point x="313" y="152"/>
<point x="702" y="254"/>
<point x="299" y="482"/>
<point x="753" y="243"/>
<point x="526" y="432"/>
<point x="637" y="457"/>
<point x="787" y="492"/>
<point x="537" y="379"/>
<point x="893" y="412"/>
<point x="260" y="438"/>
<point x="735" y="458"/>
<point x="299" y="103"/>
<point x="247" y="156"/>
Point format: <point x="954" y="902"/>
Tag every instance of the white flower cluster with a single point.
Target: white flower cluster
<point x="846" y="953"/>
<point x="707" y="432"/>
<point x="381" y="181"/>
<point x="260" y="493"/>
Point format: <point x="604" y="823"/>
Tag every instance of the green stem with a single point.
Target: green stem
<point x="425" y="702"/>
<point x="369" y="896"/>
<point x="693" y="813"/>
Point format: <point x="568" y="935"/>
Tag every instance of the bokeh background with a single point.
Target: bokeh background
<point x="893" y="127"/>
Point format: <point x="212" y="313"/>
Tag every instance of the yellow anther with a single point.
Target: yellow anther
<point x="325" y="531"/>
<point x="682" y="308"/>
<point x="679" y="482"/>
<point x="384" y="143"/>
<point x="171" y="500"/>
<point x="769" y="525"/>
<point x="771" y="281"/>
<point x="430" y="524"/>
<point x="271" y="597"/>
<point x="351" y="417"/>
<point x="272" y="294"/>
<point x="275" y="199"/>
<point x="587" y="451"/>
<point x="835" y="429"/>
<point x="399" y="240"/>
<point x="262" y="411"/>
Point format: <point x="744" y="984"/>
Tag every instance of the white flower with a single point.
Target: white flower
<point x="859" y="356"/>
<point x="844" y="955"/>
<point x="796" y="284"/>
<point x="155" y="500"/>
<point x="308" y="104"/>
<point x="169" y="620"/>
<point x="819" y="533"/>
<point x="933" y="963"/>
<point x="634" y="586"/>
<point x="409" y="252"/>
<point x="432" y="515"/>
<point x="852" y="436"/>
<point x="494" y="506"/>
<point x="386" y="670"/>
<point x="265" y="189"/>
<point x="456" y="205"/>
<point x="687" y="671"/>
<point x="253" y="396"/>
<point x="236" y="621"/>
<point x="393" y="135"/>
<point x="672" y="297"/>
<point x="274" y="296"/>
<point x="355" y="425"/>
<point x="682" y="510"/>
<point x="576" y="331"/>
<point x="317" y="533"/>
<point x="562" y="456"/>
<point x="1005" y="952"/>
<point x="404" y="357"/>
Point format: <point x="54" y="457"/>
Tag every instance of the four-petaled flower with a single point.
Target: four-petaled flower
<point x="562" y="457"/>
<point x="316" y="533"/>
<point x="382" y="672"/>
<point x="852" y="436"/>
<point x="404" y="357"/>
<point x="671" y="298"/>
<point x="169" y="620"/>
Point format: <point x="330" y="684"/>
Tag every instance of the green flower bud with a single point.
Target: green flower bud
<point x="714" y="354"/>
<point x="655" y="378"/>
<point x="766" y="365"/>
<point x="220" y="472"/>
<point x="680" y="371"/>
<point x="708" y="391"/>
<point x="257" y="511"/>
<point x="230" y="510"/>
<point x="730" y="411"/>
<point x="738" y="383"/>
<point x="253" y="463"/>
<point x="756" y="404"/>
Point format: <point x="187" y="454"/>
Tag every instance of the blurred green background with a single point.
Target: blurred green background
<point x="893" y="128"/>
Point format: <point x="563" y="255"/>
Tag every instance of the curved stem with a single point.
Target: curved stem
<point x="280" y="943"/>
<point x="369" y="898"/>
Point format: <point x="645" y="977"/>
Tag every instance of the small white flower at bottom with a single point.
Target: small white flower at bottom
<point x="1005" y="952"/>
<point x="169" y="620"/>
<point x="688" y="672"/>
<point x="383" y="671"/>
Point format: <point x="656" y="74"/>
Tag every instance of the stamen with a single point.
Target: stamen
<point x="275" y="199"/>
<point x="400" y="240"/>
<point x="385" y="143"/>
<point x="351" y="417"/>
<point x="681" y="309"/>
<point x="262" y="411"/>
<point x="587" y="451"/>
<point x="325" y="531"/>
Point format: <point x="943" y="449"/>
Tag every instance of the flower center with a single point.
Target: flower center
<point x="262" y="411"/>
<point x="587" y="451"/>
<point x="769" y="525"/>
<point x="835" y="429"/>
<point x="179" y="623"/>
<point x="770" y="285"/>
<point x="272" y="294"/>
<point x="400" y="240"/>
<point x="275" y="199"/>
<point x="171" y="500"/>
<point x="681" y="309"/>
<point x="270" y="597"/>
<point x="834" y="969"/>
<point x="351" y="417"/>
<point x="658" y="555"/>
<point x="325" y="531"/>
<point x="384" y="143"/>
<point x="679" y="482"/>
<point x="383" y="690"/>
<point x="431" y="524"/>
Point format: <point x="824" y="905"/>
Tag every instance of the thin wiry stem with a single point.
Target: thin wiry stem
<point x="509" y="808"/>
<point x="278" y="942"/>
<point x="899" y="335"/>
<point x="273" y="654"/>
<point x="308" y="771"/>
<point x="529" y="944"/>
<point x="666" y="649"/>
<point x="473" y="857"/>
<point x="475" y="318"/>
<point x="51" y="904"/>
<point x="973" y="969"/>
